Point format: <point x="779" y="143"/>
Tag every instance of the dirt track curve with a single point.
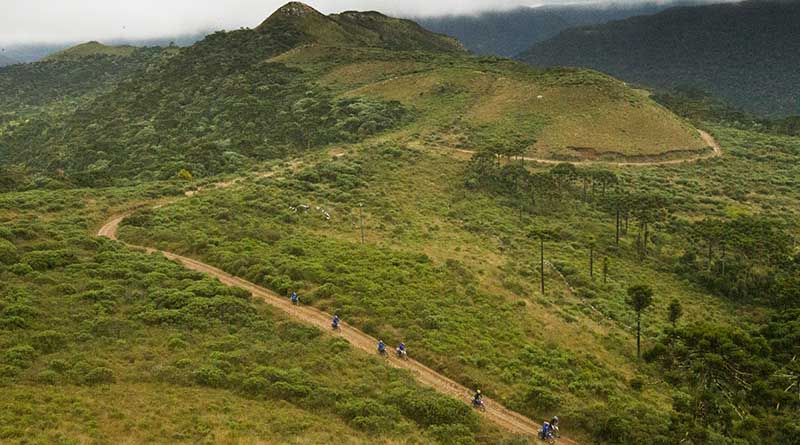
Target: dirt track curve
<point x="503" y="417"/>
<point x="716" y="151"/>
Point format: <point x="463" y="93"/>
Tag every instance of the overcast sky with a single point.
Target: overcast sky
<point x="52" y="21"/>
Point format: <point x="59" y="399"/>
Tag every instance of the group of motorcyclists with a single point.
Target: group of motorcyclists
<point x="549" y="430"/>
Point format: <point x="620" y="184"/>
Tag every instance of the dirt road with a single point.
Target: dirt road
<point x="709" y="140"/>
<point x="503" y="417"/>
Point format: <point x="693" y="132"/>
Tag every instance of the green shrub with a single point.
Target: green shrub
<point x="13" y="322"/>
<point x="211" y="376"/>
<point x="255" y="386"/>
<point x="58" y="365"/>
<point x="99" y="375"/>
<point x="453" y="434"/>
<point x="48" y="259"/>
<point x="176" y="343"/>
<point x="21" y="269"/>
<point x="48" y="377"/>
<point x="48" y="341"/>
<point x="428" y="408"/>
<point x="8" y="252"/>
<point x="288" y="391"/>
<point x="21" y="356"/>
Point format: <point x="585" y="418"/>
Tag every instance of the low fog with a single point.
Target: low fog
<point x="53" y="21"/>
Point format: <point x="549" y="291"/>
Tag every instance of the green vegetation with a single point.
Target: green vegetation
<point x="381" y="180"/>
<point x="454" y="271"/>
<point x="302" y="80"/>
<point x="83" y="320"/>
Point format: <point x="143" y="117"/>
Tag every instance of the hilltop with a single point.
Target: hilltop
<point x="91" y="49"/>
<point x="357" y="29"/>
<point x="745" y="53"/>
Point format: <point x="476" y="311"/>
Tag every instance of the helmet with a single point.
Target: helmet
<point x="555" y="419"/>
<point x="479" y="391"/>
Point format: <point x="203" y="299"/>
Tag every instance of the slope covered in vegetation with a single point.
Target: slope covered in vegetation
<point x="344" y="185"/>
<point x="302" y="80"/>
<point x="86" y="322"/>
<point x="745" y="53"/>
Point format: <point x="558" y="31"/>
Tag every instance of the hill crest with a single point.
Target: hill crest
<point x="356" y="28"/>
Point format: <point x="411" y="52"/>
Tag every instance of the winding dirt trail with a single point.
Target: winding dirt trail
<point x="716" y="151"/>
<point x="496" y="413"/>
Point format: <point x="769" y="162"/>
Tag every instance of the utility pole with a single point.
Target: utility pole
<point x="361" y="218"/>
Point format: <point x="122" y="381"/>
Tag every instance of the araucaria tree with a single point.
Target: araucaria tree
<point x="640" y="297"/>
<point x="675" y="312"/>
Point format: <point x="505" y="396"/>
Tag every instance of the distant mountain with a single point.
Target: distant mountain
<point x="509" y="33"/>
<point x="499" y="33"/>
<point x="745" y="53"/>
<point x="5" y="60"/>
<point x="27" y="86"/>
<point x="91" y="49"/>
<point x="27" y="53"/>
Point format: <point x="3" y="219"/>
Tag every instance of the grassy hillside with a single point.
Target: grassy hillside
<point x="745" y="53"/>
<point x="91" y="49"/>
<point x="85" y="323"/>
<point x="453" y="271"/>
<point x="478" y="103"/>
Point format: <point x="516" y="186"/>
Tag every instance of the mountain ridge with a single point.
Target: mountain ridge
<point x="354" y="28"/>
<point x="91" y="48"/>
<point x="745" y="53"/>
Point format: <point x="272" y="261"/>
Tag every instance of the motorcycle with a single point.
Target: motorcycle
<point x="479" y="404"/>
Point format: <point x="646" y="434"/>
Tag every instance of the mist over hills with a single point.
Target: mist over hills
<point x="5" y="60"/>
<point x="508" y="33"/>
<point x="745" y="53"/>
